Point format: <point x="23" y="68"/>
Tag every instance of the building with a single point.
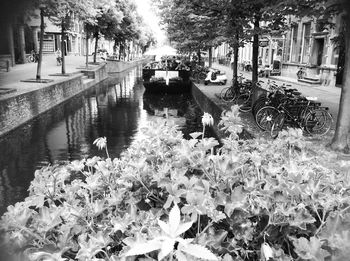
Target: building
<point x="309" y="43"/>
<point x="22" y="36"/>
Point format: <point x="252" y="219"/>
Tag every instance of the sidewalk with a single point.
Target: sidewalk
<point x="12" y="79"/>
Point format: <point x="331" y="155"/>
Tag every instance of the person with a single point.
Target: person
<point x="34" y="56"/>
<point x="58" y="56"/>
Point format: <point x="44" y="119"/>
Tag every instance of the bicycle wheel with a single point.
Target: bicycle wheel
<point x="318" y="122"/>
<point x="258" y="104"/>
<point x="265" y="116"/>
<point x="222" y="92"/>
<point x="228" y="95"/>
<point x="202" y="76"/>
<point x="277" y="125"/>
<point x="244" y="101"/>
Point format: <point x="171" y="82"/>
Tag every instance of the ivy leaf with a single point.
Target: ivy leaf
<point x="198" y="251"/>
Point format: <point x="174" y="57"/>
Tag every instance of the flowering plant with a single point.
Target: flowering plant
<point x="169" y="198"/>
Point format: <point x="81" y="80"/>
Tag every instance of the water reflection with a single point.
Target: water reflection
<point x="116" y="108"/>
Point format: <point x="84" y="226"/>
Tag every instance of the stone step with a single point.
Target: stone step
<point x="310" y="81"/>
<point x="310" y="78"/>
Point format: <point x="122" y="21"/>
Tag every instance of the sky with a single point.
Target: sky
<point x="144" y="9"/>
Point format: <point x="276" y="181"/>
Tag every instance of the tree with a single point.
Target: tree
<point x="63" y="13"/>
<point x="340" y="141"/>
<point x="191" y="25"/>
<point x="106" y="19"/>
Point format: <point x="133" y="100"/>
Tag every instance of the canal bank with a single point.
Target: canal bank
<point x="22" y="99"/>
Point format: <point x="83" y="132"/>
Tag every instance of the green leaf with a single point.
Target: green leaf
<point x="167" y="248"/>
<point x="174" y="220"/>
<point x="183" y="228"/>
<point x="310" y="249"/>
<point x="144" y="248"/>
<point x="198" y="251"/>
<point x="164" y="226"/>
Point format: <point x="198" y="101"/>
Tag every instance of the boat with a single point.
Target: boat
<point x="166" y="81"/>
<point x="167" y="74"/>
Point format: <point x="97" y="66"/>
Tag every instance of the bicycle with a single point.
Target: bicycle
<point x="199" y="73"/>
<point x="264" y="109"/>
<point x="229" y="94"/>
<point x="244" y="99"/>
<point x="33" y="57"/>
<point x="59" y="60"/>
<point x="314" y="120"/>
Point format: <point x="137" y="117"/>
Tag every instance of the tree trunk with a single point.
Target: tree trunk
<point x="341" y="135"/>
<point x="22" y="44"/>
<point x="115" y="47"/>
<point x="255" y="56"/>
<point x="41" y="40"/>
<point x="87" y="48"/>
<point x="199" y="56"/>
<point x="63" y="49"/>
<point x="235" y="59"/>
<point x="210" y="56"/>
<point x="11" y="43"/>
<point x="96" y="45"/>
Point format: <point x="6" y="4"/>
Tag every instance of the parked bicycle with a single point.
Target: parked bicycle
<point x="311" y="118"/>
<point x="229" y="94"/>
<point x="240" y="93"/>
<point x="199" y="73"/>
<point x="33" y="57"/>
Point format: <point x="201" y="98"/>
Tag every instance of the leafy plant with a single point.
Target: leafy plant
<point x="170" y="198"/>
<point x="165" y="242"/>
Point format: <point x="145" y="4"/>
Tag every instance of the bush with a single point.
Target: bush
<point x="167" y="197"/>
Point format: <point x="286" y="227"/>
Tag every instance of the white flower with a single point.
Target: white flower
<point x="266" y="252"/>
<point x="100" y="143"/>
<point x="207" y="119"/>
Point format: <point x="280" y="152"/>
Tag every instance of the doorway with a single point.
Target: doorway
<point x="319" y="46"/>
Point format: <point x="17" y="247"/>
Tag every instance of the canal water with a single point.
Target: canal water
<point x="116" y="108"/>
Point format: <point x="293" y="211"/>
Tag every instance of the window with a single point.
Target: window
<point x="306" y="43"/>
<point x="293" y="44"/>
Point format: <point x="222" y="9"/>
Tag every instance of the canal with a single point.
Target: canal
<point x="116" y="108"/>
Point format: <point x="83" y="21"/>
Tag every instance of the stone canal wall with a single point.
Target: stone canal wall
<point x="114" y="66"/>
<point x="208" y="105"/>
<point x="17" y="109"/>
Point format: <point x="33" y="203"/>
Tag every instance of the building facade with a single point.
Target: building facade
<point x="309" y="43"/>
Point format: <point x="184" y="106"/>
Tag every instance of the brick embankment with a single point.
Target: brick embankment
<point x="22" y="98"/>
